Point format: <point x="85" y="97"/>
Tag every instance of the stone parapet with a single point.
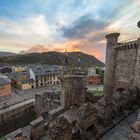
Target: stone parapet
<point x="87" y="115"/>
<point x="55" y="113"/>
<point x="37" y="128"/>
<point x="60" y="129"/>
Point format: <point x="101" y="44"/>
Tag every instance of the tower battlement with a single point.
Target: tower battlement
<point x="122" y="64"/>
<point x="112" y="38"/>
<point x="112" y="35"/>
<point x="127" y="45"/>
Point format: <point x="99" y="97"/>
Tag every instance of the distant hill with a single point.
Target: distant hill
<point x="52" y="58"/>
<point x="2" y="54"/>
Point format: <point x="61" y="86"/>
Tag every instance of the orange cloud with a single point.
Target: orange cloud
<point x="96" y="54"/>
<point x="71" y="46"/>
<point x="61" y="47"/>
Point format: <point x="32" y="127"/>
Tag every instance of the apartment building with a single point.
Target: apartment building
<point x="44" y="76"/>
<point x="92" y="77"/>
<point x="5" y="87"/>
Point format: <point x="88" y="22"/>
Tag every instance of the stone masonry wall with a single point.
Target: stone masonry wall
<point x="125" y="68"/>
<point x="73" y="92"/>
<point x="122" y="66"/>
<point x="16" y="117"/>
<point x="137" y="67"/>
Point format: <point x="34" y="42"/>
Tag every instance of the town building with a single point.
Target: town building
<point x="18" y="68"/>
<point x="92" y="77"/>
<point x="5" y="87"/>
<point x="99" y="67"/>
<point x="17" y="77"/>
<point x="5" y="70"/>
<point x="3" y="75"/>
<point x="27" y="84"/>
<point x="44" y="76"/>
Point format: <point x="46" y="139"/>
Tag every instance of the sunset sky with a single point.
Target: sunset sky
<point x="54" y="25"/>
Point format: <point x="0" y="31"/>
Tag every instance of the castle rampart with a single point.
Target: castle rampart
<point x="122" y="64"/>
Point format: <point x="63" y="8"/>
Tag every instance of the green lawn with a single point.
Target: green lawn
<point x="96" y="92"/>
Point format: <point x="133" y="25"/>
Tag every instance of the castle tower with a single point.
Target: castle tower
<point x="112" y="40"/>
<point x="73" y="91"/>
<point x="137" y="68"/>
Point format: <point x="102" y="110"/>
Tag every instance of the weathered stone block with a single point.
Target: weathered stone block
<point x="37" y="128"/>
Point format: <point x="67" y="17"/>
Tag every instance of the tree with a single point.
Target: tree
<point x="6" y="70"/>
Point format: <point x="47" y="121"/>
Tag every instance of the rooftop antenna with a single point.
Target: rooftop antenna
<point x="66" y="59"/>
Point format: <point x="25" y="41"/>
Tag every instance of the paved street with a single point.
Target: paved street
<point x="24" y="95"/>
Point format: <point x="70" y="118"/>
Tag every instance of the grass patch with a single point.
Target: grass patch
<point x="96" y="92"/>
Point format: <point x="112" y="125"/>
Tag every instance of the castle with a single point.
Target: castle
<point x="122" y="64"/>
<point x="79" y="119"/>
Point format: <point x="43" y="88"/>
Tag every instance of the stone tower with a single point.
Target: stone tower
<point x="74" y="88"/>
<point x="112" y="40"/>
<point x="137" y="67"/>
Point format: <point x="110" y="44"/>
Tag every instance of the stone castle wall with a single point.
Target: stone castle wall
<point x="125" y="62"/>
<point x="122" y="65"/>
<point x="16" y="116"/>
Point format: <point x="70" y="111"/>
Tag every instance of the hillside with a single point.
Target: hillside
<point x="2" y="54"/>
<point x="52" y="58"/>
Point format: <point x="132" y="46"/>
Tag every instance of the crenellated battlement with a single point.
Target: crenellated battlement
<point x="112" y="35"/>
<point x="127" y="45"/>
<point x="112" y="39"/>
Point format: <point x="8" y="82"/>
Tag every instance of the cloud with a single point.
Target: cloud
<point x="71" y="46"/>
<point x="60" y="47"/>
<point x="75" y="25"/>
<point x="33" y="29"/>
<point x="81" y="27"/>
<point x="85" y="34"/>
<point x="89" y="35"/>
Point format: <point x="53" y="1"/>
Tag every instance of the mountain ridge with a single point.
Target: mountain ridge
<point x="52" y="58"/>
<point x="3" y="54"/>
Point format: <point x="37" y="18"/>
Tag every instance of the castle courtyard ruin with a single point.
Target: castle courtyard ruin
<point x="77" y="119"/>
